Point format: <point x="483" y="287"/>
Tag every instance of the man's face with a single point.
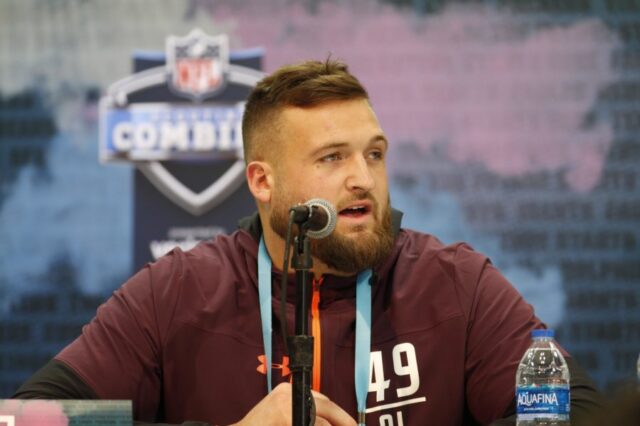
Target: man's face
<point x="336" y="151"/>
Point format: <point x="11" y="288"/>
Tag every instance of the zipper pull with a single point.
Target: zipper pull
<point x="316" y="283"/>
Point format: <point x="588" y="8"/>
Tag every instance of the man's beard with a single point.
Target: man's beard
<point x="362" y="250"/>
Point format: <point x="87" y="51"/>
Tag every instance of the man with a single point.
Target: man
<point x="183" y="338"/>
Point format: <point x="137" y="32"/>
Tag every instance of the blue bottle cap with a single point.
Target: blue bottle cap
<point x="542" y="333"/>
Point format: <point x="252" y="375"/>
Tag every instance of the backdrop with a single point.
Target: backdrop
<point x="513" y="126"/>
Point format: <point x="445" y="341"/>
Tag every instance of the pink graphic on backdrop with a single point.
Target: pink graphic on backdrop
<point x="477" y="80"/>
<point x="34" y="413"/>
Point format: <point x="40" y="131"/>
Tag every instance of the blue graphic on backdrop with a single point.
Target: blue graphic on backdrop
<point x="162" y="131"/>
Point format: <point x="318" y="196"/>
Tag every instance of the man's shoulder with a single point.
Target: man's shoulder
<point x="203" y="269"/>
<point x="423" y="260"/>
<point x="221" y="251"/>
<point x="183" y="284"/>
<point x="427" y="247"/>
<point x="238" y="246"/>
<point x="432" y="282"/>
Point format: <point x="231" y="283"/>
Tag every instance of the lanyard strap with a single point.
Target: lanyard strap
<point x="264" y="292"/>
<point x="363" y="341"/>
<point x="363" y="327"/>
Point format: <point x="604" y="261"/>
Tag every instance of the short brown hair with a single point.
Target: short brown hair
<point x="305" y="84"/>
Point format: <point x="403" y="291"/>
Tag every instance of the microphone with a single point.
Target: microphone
<point x="320" y="216"/>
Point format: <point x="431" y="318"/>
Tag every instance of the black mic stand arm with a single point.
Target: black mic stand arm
<point x="301" y="344"/>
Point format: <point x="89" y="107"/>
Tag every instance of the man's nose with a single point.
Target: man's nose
<point x="360" y="176"/>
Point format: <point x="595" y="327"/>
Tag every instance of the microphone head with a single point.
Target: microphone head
<point x="324" y="218"/>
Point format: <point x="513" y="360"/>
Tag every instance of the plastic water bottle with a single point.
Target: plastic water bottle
<point x="542" y="384"/>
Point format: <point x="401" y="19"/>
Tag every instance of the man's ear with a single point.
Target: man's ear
<point x="260" y="180"/>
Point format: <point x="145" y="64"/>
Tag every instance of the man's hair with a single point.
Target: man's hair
<point x="306" y="84"/>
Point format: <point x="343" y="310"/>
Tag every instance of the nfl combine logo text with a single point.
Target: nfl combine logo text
<point x="179" y="110"/>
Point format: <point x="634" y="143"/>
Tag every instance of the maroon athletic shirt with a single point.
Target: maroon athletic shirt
<point x="184" y="336"/>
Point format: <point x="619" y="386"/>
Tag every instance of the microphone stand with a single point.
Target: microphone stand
<point x="301" y="344"/>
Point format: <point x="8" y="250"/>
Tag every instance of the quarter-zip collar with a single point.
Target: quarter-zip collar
<point x="333" y="287"/>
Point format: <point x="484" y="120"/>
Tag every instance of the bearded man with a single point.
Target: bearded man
<point x="184" y="338"/>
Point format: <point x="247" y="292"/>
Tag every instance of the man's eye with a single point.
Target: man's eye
<point x="376" y="155"/>
<point x="331" y="157"/>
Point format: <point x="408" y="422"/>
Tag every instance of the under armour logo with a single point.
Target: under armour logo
<point x="284" y="367"/>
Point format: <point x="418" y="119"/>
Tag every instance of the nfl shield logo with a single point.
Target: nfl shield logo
<point x="197" y="64"/>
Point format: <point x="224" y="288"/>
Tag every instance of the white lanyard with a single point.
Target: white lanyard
<point x="363" y="326"/>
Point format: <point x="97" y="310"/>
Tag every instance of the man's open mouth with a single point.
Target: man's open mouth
<point x="357" y="210"/>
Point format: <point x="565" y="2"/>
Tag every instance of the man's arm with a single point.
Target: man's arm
<point x="115" y="357"/>
<point x="57" y="381"/>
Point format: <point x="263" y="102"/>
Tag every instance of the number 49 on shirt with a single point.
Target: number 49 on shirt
<point x="404" y="364"/>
